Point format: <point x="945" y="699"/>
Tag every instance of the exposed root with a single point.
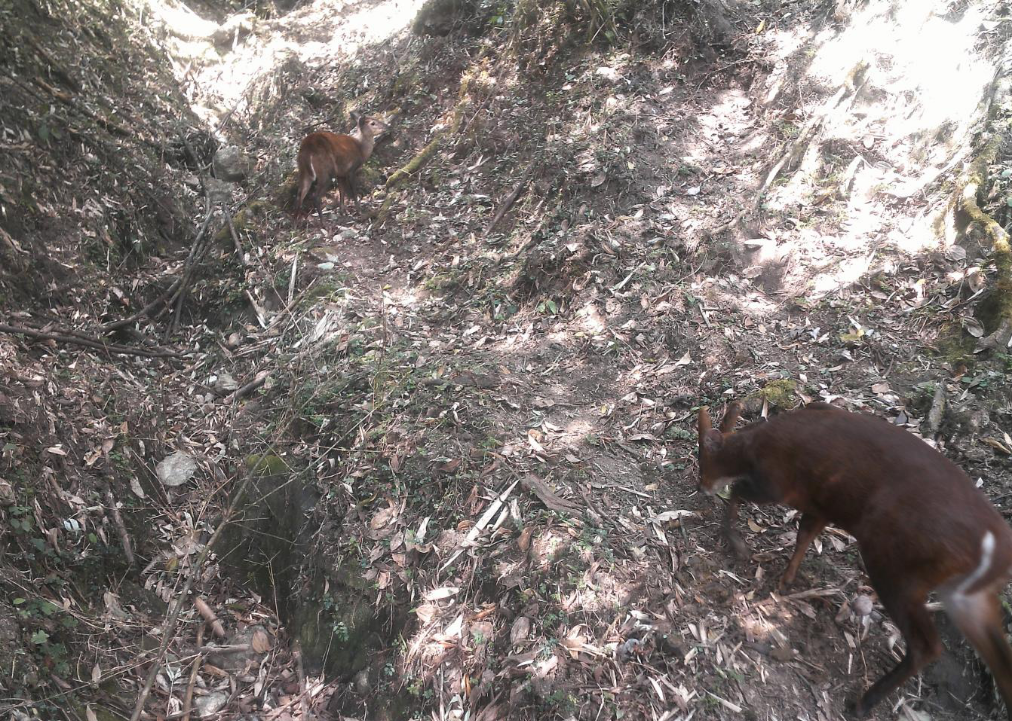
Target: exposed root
<point x="965" y="213"/>
<point x="413" y="165"/>
<point x="849" y="89"/>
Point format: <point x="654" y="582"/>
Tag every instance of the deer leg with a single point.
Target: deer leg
<point x="734" y="539"/>
<point x="809" y="527"/>
<point x="742" y="490"/>
<point x="905" y="605"/>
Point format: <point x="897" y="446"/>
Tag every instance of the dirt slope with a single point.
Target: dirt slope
<point x="467" y="475"/>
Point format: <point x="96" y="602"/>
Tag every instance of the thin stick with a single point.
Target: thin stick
<point x="146" y="310"/>
<point x="261" y="377"/>
<point x="235" y="240"/>
<point x="169" y="627"/>
<point x="117" y="520"/>
<point x="196" y="254"/>
<point x="510" y="199"/>
<point x="304" y="702"/>
<point x="188" y="698"/>
<point x="169" y="295"/>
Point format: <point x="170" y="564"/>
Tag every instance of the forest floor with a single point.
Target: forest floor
<point x="487" y="382"/>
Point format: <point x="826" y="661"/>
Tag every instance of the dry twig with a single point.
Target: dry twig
<point x="78" y="339"/>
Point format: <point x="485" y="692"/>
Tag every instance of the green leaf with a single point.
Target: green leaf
<point x="18" y="601"/>
<point x="40" y="637"/>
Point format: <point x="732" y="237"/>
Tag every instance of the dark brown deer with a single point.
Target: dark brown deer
<point x="919" y="521"/>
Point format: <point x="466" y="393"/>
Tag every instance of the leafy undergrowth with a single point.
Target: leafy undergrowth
<point x="466" y="477"/>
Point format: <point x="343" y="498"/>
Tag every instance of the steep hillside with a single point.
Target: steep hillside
<point x="438" y="459"/>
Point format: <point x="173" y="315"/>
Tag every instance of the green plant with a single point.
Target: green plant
<point x="341" y="632"/>
<point x="548" y="306"/>
<point x="20" y="521"/>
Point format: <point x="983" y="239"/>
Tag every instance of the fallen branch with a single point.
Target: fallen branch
<point x="247" y="389"/>
<point x="197" y="250"/>
<point x="169" y="296"/>
<point x="510" y="199"/>
<point x="965" y="202"/>
<point x="553" y="501"/>
<point x="146" y="310"/>
<point x="257" y="310"/>
<point x="235" y="240"/>
<point x="303" y="701"/>
<point x="937" y="409"/>
<point x="209" y="616"/>
<point x="172" y="618"/>
<point x="95" y="343"/>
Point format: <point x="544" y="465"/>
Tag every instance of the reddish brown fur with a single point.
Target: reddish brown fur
<point x="323" y="156"/>
<point x="918" y="519"/>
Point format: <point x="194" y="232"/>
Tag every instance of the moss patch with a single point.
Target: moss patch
<point x="780" y="393"/>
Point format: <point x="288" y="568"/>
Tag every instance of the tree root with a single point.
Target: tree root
<point x="413" y="165"/>
<point x="965" y="213"/>
<point x="849" y="89"/>
<point x="400" y="175"/>
<point x="86" y="341"/>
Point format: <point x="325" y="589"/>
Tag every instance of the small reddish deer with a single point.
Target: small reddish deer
<point x="323" y="156"/>
<point x="919" y="521"/>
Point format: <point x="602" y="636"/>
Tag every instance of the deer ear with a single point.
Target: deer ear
<point x="712" y="441"/>
<point x="704" y="423"/>
<point x="730" y="417"/>
<point x="355" y="117"/>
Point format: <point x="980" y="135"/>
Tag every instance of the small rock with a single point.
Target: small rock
<point x="225" y="384"/>
<point x="177" y="469"/>
<point x="229" y="163"/>
<point x="863" y="605"/>
<point x="218" y="192"/>
<point x="485" y="685"/>
<point x="977" y="454"/>
<point x="609" y="74"/>
<point x="260" y="642"/>
<point x="521" y="630"/>
<point x="782" y="653"/>
<point x="7" y="497"/>
<point x="208" y="706"/>
<point x="362" y="685"/>
<point x="626" y="648"/>
<point x="978" y="420"/>
<point x="234" y="30"/>
<point x="956" y="253"/>
<point x="240" y="650"/>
